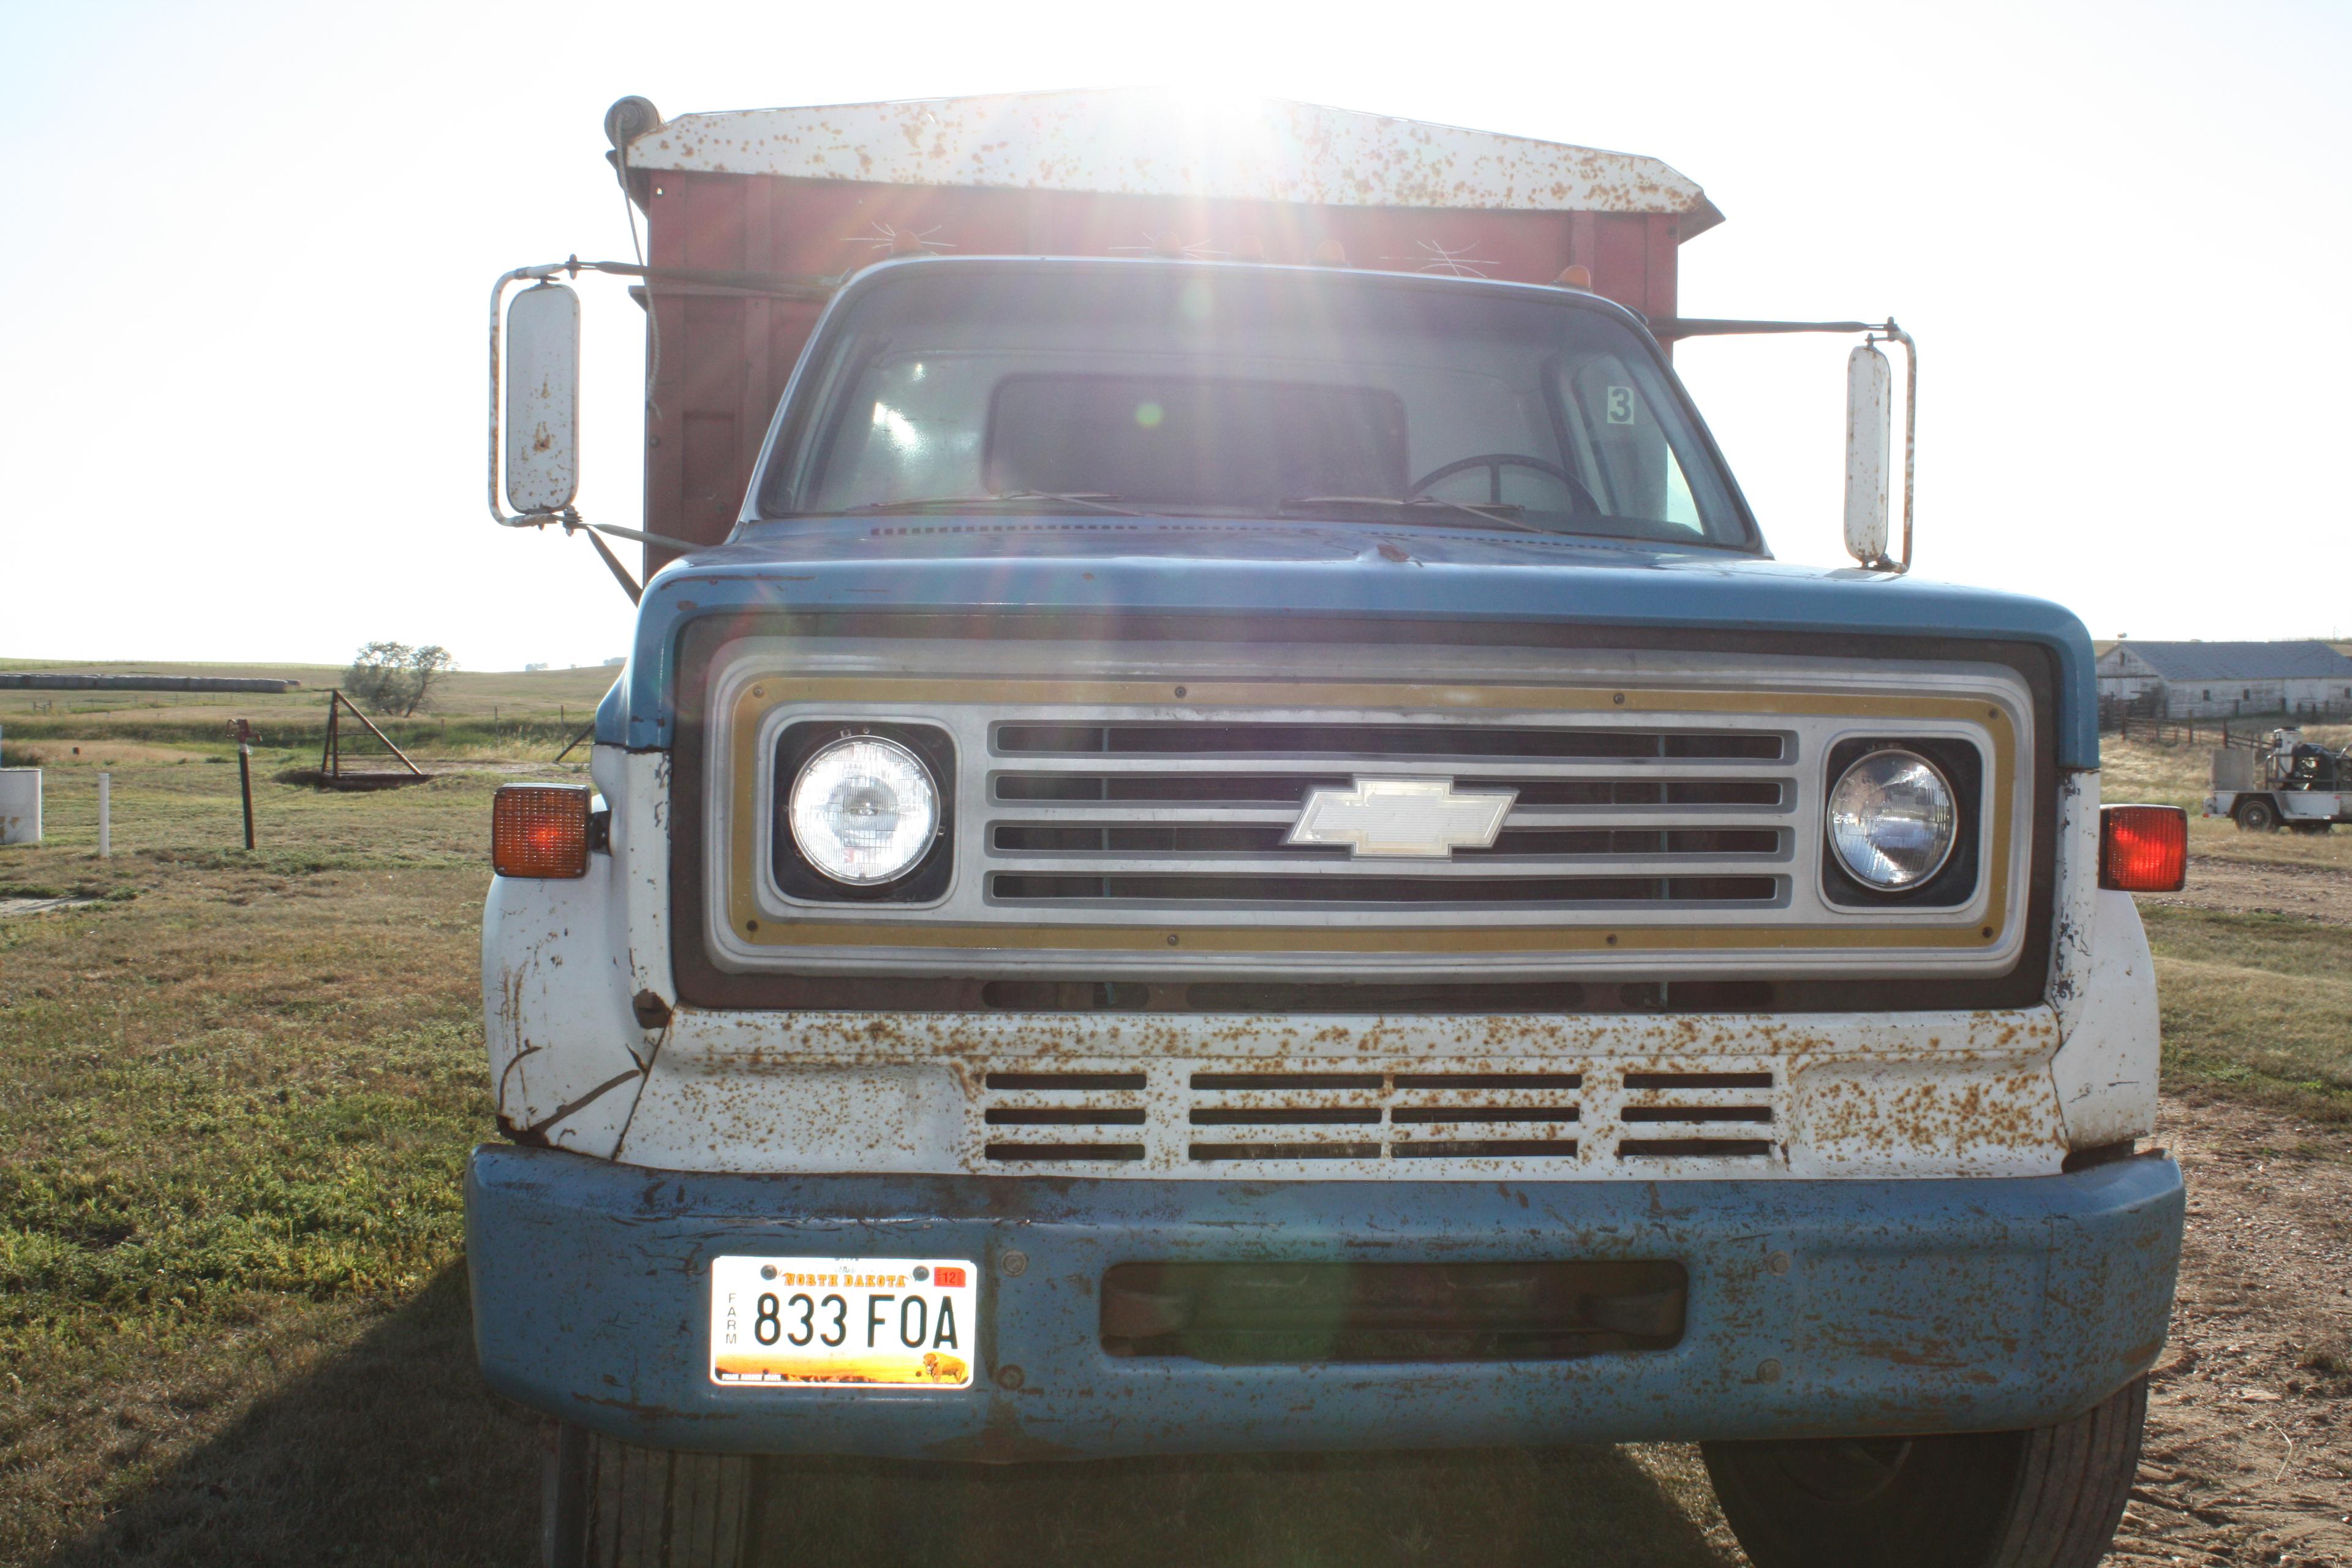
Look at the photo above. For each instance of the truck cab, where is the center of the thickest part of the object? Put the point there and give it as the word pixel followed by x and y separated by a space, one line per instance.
pixel 1236 846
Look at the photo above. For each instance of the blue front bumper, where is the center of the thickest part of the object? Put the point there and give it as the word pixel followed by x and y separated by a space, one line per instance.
pixel 1901 1305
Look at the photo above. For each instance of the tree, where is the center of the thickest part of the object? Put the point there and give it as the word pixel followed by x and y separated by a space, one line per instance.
pixel 393 677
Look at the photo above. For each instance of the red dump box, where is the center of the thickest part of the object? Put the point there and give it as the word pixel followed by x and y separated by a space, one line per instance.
pixel 822 192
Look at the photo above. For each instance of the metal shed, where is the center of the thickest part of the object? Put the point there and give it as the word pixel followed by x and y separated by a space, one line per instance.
pixel 823 191
pixel 2219 679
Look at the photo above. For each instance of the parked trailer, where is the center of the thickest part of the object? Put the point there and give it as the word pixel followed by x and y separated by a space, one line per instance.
pixel 1220 834
pixel 2291 783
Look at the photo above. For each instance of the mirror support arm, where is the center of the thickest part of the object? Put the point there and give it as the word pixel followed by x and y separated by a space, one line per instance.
pixel 1672 329
pixel 1893 333
pixel 568 519
pixel 620 572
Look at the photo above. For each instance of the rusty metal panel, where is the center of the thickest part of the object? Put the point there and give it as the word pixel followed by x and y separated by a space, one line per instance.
pixel 1196 1097
pixel 1660 295
pixel 1146 143
pixel 1621 259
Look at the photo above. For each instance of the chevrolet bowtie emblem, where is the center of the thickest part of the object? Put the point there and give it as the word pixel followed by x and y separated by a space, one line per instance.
pixel 1398 818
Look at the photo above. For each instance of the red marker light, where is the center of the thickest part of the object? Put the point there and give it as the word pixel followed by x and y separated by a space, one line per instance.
pixel 2143 848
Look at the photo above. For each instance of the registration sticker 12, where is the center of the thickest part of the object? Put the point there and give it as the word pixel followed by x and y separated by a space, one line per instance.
pixel 895 1321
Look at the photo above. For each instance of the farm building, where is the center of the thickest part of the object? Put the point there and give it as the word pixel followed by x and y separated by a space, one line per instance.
pixel 2217 680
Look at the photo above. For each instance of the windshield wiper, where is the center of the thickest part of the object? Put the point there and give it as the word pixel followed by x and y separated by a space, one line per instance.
pixel 1498 517
pixel 1091 501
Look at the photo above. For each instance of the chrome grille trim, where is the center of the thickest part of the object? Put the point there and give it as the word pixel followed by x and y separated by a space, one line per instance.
pixel 1775 889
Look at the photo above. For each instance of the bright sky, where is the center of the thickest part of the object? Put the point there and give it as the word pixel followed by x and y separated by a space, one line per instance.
pixel 249 248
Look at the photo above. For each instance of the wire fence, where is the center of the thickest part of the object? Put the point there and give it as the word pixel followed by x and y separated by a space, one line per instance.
pixel 2191 732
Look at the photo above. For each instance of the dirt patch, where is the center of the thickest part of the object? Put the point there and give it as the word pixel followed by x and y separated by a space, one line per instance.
pixel 2249 1450
pixel 2322 893
pixel 11 907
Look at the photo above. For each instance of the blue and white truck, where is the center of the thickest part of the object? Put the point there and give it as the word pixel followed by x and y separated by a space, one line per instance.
pixel 1221 834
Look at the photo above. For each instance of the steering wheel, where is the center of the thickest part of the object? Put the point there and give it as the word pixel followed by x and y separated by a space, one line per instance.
pixel 1494 463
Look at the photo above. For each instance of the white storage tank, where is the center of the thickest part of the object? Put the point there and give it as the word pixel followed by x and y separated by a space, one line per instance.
pixel 20 806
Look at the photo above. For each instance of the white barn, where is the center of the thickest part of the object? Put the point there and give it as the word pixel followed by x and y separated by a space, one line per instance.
pixel 2220 680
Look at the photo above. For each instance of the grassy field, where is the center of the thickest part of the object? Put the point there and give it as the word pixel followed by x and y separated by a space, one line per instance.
pixel 2258 1005
pixel 233 1314
pixel 231 1322
pixel 503 713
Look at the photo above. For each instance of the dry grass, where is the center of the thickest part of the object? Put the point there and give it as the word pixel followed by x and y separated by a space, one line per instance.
pixel 2257 1004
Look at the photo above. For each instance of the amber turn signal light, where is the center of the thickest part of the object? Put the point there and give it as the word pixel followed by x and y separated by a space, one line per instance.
pixel 540 830
pixel 2143 848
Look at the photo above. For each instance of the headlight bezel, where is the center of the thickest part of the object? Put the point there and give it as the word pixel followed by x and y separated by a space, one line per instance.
pixel 1955 881
pixel 927 880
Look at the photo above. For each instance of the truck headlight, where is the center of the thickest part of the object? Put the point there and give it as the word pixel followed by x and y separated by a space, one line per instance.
pixel 1893 820
pixel 864 810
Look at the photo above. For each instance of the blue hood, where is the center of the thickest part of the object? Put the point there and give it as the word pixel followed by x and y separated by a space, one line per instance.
pixel 1213 565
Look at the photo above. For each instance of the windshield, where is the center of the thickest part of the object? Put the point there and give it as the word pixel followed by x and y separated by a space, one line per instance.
pixel 1198 390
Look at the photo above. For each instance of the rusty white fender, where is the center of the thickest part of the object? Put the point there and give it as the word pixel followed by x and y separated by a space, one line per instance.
pixel 2103 985
pixel 564 964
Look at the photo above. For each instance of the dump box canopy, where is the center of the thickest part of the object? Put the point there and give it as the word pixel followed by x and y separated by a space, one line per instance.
pixel 1112 143
pixel 824 191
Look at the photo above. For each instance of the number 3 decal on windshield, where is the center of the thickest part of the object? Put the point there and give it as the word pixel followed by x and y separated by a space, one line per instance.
pixel 1620 405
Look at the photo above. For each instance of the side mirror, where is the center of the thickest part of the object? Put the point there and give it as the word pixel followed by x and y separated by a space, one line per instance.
pixel 542 413
pixel 1869 432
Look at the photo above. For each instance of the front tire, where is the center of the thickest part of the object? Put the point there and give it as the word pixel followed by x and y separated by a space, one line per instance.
pixel 2044 1499
pixel 609 1504
pixel 2257 815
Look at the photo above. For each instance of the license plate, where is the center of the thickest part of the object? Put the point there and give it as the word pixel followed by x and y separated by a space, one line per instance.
pixel 892 1321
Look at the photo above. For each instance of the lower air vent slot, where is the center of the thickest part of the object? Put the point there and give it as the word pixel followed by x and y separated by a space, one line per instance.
pixel 1063 1116
pixel 1696 1113
pixel 1094 1081
pixel 1286 1080
pixel 1064 1152
pixel 1407 1114
pixel 1698 1080
pixel 1490 1080
pixel 1239 1314
pixel 1693 1148
pixel 1277 1116
pixel 1285 1152
pixel 1487 1149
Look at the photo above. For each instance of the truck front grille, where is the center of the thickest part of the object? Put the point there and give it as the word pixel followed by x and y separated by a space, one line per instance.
pixel 1251 1119
pixel 1138 815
